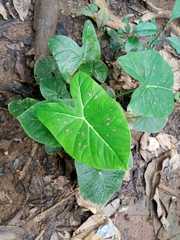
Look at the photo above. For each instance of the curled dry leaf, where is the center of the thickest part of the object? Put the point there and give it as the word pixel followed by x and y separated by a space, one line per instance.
pixel 86 205
pixel 3 12
pixel 157 13
pixel 153 174
pixel 22 7
pixel 88 228
pixel 175 65
pixel 166 141
pixel 160 211
pixel 10 10
pixel 115 22
pixel 172 217
pixel 153 144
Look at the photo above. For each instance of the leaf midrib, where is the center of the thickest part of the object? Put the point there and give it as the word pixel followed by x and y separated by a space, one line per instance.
pixel 84 119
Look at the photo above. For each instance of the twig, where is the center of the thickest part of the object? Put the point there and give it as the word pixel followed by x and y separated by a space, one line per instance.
pixel 27 164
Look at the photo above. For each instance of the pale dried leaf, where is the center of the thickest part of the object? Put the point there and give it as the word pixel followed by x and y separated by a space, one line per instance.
pixel 144 141
pixel 10 10
pixel 116 21
pixel 22 7
pixel 87 205
pixel 89 226
pixel 144 155
pixel 160 211
pixel 152 174
pixel 129 83
pixel 153 144
pixel 175 65
pixel 174 161
pixel 166 141
pixel 111 208
pixel 3 12
pixel 172 217
pixel 127 176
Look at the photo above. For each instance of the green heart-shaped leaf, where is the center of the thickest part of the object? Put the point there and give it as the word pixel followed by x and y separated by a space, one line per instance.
pixel 34 128
pixel 67 53
pixel 95 132
pixel 53 88
pixel 96 185
pixel 154 97
pixel 90 42
pixel 98 69
pixel 69 56
pixel 46 67
pixel 19 106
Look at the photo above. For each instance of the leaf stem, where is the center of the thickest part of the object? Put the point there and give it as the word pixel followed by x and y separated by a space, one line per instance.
pixel 124 93
pixel 160 31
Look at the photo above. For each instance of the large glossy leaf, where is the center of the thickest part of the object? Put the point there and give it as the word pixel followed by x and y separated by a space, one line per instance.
pixel 96 185
pixel 98 69
pixel 53 88
pixel 34 128
pixel 46 67
pixel 145 29
pixel 95 132
pixel 176 11
pixel 90 42
pixel 149 124
pixel 154 97
pixel 67 53
pixel 175 43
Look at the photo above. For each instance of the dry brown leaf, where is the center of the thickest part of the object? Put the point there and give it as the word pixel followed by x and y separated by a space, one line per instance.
pixel 153 175
pixel 87 205
pixel 111 208
pixel 153 145
pixel 174 230
pixel 157 13
pixel 22 7
pixel 89 227
pixel 160 211
pixel 10 10
pixel 175 65
pixel 116 21
pixel 144 141
pixel 3 12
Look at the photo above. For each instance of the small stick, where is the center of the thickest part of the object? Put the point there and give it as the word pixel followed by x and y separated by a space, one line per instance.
pixel 27 164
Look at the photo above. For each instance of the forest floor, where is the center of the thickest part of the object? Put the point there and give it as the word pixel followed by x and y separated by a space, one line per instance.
pixel 38 191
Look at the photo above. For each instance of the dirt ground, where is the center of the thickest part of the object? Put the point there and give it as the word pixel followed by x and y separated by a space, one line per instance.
pixel 37 190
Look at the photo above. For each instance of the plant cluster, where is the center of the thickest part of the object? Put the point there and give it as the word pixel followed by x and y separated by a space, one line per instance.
pixel 87 121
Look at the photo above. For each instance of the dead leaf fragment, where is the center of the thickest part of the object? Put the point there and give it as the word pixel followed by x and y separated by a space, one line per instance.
pixel 153 144
pixel 160 212
pixel 22 7
pixel 87 205
pixel 152 174
pixel 3 12
pixel 88 227
pixel 115 22
pixel 10 10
